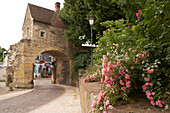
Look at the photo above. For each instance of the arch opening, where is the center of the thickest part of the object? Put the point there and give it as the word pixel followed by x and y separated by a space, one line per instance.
pixel 52 64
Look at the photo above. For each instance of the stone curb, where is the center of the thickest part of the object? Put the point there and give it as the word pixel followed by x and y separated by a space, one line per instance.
pixel 11 95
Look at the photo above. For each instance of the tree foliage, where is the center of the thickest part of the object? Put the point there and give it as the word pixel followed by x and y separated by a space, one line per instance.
pixel 1 53
pixel 76 13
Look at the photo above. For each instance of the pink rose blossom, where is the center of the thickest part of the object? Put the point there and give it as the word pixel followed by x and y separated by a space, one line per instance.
pixel 137 14
pixel 109 30
pixel 127 76
pixel 143 69
pixel 143 75
pixel 157 102
pixel 150 84
pixel 152 102
pixel 147 83
pixel 130 49
pixel 116 44
pixel 108 54
pixel 84 80
pixel 104 32
pixel 104 112
pixel 151 98
pixel 128 84
pixel 132 67
pixel 106 103
pixel 152 70
pixel 143 55
pixel 146 79
pixel 121 82
pixel 123 88
pixel 93 105
pixel 134 51
pixel 153 93
pixel 160 105
pixel 166 107
pixel 144 87
pixel 139 11
pixel 128 26
pixel 118 63
pixel 111 107
pixel 120 20
pixel 126 56
pixel 96 51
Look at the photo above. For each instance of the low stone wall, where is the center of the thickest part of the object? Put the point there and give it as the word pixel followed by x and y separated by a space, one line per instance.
pixel 88 91
pixel 2 74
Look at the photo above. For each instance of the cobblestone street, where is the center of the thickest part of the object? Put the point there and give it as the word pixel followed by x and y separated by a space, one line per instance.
pixel 45 98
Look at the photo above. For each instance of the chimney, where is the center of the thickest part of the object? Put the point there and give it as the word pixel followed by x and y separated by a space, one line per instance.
pixel 57 6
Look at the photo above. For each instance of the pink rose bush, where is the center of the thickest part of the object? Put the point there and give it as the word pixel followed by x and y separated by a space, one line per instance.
pixel 123 72
pixel 118 80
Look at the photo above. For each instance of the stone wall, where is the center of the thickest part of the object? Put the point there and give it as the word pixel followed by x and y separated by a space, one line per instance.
pixel 88 92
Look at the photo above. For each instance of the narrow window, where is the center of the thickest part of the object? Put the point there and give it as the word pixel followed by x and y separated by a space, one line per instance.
pixel 28 32
pixel 42 34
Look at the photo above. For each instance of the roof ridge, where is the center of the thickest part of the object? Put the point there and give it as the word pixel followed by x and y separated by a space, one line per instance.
pixel 40 7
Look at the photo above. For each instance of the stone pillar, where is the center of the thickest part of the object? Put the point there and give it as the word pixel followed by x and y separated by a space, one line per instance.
pixel 23 76
pixel 54 75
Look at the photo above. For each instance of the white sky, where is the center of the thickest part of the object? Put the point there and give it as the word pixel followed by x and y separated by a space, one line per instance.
pixel 12 17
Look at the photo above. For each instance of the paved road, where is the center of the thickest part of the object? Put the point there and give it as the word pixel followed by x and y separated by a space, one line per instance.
pixel 46 97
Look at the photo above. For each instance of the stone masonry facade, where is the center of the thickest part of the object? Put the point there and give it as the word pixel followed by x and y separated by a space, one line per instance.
pixel 39 36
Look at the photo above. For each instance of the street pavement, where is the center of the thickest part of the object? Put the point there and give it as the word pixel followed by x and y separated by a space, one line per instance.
pixel 44 98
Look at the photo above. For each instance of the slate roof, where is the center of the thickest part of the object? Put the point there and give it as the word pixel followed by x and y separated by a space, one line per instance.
pixel 41 14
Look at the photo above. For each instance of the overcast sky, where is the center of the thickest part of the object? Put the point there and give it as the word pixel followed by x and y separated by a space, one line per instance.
pixel 12 17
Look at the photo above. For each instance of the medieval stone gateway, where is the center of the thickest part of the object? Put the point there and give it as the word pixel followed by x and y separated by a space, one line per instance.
pixel 42 33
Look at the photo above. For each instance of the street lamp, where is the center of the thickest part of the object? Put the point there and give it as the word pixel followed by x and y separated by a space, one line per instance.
pixel 91 22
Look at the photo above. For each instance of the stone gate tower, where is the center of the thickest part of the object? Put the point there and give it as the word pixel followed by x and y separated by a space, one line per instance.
pixel 42 33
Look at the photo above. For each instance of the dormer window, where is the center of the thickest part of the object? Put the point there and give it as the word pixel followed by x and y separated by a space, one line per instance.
pixel 42 34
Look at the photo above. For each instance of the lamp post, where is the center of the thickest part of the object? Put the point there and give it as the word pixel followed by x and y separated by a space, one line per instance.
pixel 91 22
